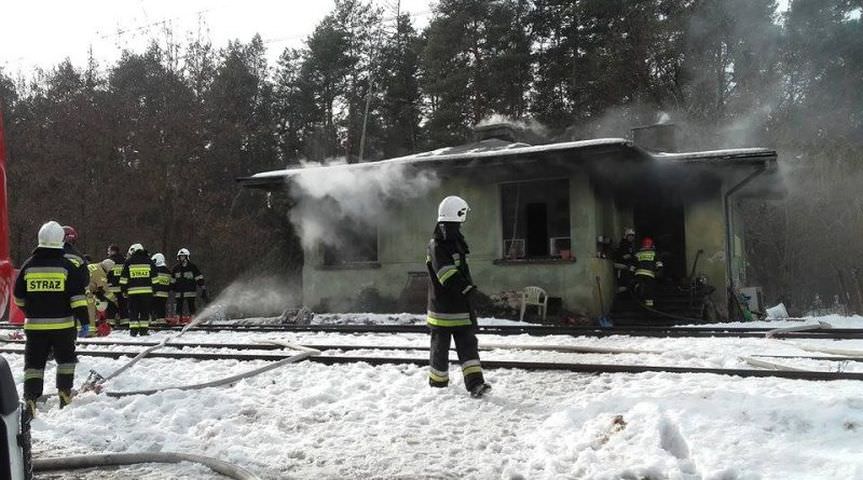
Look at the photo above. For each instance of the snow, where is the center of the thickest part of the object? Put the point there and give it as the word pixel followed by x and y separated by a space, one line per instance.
pixel 308 420
pixel 443 155
pixel 836 321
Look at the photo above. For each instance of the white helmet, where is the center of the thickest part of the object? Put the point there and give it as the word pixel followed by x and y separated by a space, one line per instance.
pixel 184 251
pixel 107 265
pixel 158 259
pixel 51 235
pixel 629 231
pixel 136 247
pixel 452 209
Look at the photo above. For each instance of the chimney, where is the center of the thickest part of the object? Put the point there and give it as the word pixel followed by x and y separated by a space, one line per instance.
pixel 660 137
pixel 499 131
pixel 508 132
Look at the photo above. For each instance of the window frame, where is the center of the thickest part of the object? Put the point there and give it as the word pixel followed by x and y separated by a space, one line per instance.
pixel 501 254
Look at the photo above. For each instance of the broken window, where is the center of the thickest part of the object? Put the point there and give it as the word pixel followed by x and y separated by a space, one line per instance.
pixel 536 219
pixel 353 243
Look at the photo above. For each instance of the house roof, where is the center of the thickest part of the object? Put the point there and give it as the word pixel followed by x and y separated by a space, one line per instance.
pixel 496 149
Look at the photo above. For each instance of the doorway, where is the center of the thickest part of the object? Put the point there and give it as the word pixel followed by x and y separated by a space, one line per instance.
pixel 660 215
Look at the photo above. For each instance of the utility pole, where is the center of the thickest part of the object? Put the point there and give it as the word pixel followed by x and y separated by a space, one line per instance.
pixel 372 89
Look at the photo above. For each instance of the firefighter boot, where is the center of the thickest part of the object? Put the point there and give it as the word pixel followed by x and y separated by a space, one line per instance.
pixel 65 397
pixel 31 407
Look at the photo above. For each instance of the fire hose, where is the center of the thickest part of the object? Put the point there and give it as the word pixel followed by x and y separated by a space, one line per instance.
pixel 95 380
pixel 121 459
pixel 307 352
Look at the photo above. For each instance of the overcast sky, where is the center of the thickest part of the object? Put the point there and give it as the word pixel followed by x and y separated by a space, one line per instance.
pixel 43 33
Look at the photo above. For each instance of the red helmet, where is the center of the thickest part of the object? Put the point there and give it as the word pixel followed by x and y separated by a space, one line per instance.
pixel 71 234
pixel 646 242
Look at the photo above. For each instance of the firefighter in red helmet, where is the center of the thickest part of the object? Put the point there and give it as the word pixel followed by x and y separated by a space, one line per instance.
pixel 647 266
pixel 70 238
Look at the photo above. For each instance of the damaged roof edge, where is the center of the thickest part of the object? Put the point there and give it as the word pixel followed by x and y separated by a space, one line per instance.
pixel 436 156
pixel 725 158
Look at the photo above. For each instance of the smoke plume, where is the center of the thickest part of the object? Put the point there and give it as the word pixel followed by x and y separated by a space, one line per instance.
pixel 360 193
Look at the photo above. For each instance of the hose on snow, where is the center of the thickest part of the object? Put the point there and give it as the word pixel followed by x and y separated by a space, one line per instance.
pixel 223 381
pixel 122 459
pixel 96 383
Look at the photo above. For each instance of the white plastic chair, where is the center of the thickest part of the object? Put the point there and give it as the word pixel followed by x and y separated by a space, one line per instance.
pixel 534 296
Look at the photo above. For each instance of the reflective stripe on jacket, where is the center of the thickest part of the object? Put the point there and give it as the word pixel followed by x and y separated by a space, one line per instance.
pixel 138 275
pixel 186 278
pixel 449 282
pixel 647 263
pixel 50 290
pixel 162 282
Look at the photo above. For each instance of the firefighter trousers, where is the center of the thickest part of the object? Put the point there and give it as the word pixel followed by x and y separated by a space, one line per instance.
pixel 157 315
pixel 646 289
pixel 467 348
pixel 39 345
pixel 139 313
pixel 178 304
pixel 118 314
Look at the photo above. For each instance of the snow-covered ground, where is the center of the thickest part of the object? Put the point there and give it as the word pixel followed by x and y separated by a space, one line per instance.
pixel 836 321
pixel 308 420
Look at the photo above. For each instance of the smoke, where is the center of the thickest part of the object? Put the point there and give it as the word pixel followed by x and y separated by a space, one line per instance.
pixel 362 194
pixel 262 296
pixel 528 124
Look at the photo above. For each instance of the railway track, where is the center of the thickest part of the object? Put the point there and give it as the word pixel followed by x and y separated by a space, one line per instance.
pixel 273 346
pixel 732 332
pixel 488 364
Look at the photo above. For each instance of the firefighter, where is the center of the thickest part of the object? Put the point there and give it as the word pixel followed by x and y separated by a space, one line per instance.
pixel 118 314
pixel 624 261
pixel 184 282
pixel 136 282
pixel 450 314
pixel 70 238
pixel 161 289
pixel 99 290
pixel 647 267
pixel 50 291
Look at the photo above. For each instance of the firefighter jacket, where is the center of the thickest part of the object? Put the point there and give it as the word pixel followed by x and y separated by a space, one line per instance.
pixel 114 274
pixel 139 275
pixel 162 283
pixel 71 254
pixel 186 279
pixel 624 257
pixel 647 263
pixel 50 290
pixel 99 283
pixel 450 282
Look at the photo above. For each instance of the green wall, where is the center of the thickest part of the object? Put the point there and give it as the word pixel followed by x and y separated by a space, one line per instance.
pixel 705 230
pixel 403 239
pixel 404 236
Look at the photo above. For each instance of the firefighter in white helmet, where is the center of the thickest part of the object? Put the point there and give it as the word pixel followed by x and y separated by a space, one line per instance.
pixel 136 283
pixel 161 290
pixel 50 291
pixel 450 313
pixel 185 280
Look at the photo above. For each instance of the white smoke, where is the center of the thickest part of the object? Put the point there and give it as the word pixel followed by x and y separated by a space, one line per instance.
pixel 528 124
pixel 252 297
pixel 361 193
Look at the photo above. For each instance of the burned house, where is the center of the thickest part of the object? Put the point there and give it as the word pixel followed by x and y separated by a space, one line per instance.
pixel 543 215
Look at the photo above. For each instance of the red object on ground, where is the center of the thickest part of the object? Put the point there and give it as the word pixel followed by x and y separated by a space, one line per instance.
pixel 103 329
